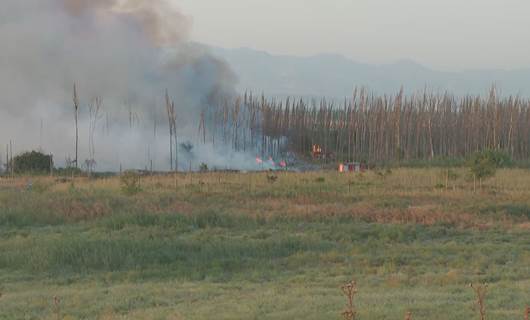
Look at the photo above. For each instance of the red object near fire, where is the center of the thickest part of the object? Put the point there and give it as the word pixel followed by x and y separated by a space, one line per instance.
pixel 317 151
pixel 351 167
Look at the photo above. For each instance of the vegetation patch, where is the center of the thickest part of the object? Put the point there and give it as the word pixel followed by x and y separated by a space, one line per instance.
pixel 233 245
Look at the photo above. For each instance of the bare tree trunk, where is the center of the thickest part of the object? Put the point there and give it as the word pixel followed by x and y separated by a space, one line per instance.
pixel 171 116
pixel 76 115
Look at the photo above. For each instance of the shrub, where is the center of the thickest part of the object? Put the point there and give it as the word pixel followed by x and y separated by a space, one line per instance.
pixel 130 182
pixel 203 167
pixel 501 159
pixel 32 162
pixel 484 164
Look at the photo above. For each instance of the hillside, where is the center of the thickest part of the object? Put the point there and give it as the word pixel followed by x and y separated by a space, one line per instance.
pixel 333 75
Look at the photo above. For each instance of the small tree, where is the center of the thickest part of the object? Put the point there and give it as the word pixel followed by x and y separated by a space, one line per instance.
pixel 482 168
pixel 32 162
pixel 485 164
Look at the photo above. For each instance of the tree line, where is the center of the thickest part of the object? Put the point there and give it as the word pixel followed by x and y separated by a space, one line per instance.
pixel 374 128
pixel 366 127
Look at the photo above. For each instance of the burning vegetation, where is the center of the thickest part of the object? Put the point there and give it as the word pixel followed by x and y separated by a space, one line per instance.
pixel 150 90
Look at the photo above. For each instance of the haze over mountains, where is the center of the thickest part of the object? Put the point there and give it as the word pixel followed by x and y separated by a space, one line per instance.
pixel 335 76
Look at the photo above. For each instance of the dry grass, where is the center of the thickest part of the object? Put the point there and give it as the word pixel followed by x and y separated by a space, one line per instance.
pixel 319 215
pixel 407 196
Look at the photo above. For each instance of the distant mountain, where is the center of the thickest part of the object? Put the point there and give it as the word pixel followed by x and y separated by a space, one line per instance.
pixel 335 76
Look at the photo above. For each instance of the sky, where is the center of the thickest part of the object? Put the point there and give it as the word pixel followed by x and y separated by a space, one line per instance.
pixel 448 35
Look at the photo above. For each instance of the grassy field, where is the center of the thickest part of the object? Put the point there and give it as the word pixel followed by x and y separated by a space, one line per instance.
pixel 238 246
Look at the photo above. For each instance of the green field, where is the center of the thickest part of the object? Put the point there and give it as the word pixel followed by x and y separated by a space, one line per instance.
pixel 237 246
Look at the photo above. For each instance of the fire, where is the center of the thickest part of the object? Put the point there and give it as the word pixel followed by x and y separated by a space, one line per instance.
pixel 271 163
pixel 317 151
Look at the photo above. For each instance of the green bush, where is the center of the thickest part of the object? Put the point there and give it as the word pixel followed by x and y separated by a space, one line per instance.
pixel 32 162
pixel 484 164
pixel 501 159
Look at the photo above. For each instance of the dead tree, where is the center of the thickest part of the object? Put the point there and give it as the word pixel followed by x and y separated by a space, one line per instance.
pixel 94 116
pixel 76 116
pixel 173 139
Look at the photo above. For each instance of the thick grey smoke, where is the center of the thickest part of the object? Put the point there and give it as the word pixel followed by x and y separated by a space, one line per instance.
pixel 126 52
pixel 157 19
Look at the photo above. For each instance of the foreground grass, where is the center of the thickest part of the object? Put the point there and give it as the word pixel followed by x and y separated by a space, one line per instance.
pixel 233 246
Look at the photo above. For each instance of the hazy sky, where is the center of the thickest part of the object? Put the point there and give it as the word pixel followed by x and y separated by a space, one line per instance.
pixel 443 34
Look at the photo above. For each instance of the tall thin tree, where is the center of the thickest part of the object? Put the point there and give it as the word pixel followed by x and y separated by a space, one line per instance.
pixel 172 119
pixel 76 116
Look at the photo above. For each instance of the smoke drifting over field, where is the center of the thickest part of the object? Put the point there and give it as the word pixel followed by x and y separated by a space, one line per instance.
pixel 126 52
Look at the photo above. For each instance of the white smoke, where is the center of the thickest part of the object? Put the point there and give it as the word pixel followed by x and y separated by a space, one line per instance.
pixel 128 53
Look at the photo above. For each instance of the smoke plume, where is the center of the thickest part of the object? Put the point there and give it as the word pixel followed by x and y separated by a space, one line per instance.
pixel 157 19
pixel 127 53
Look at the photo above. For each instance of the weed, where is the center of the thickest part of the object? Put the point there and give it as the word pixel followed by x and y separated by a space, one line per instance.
pixel 349 290
pixel 272 178
pixel 57 307
pixel 480 291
